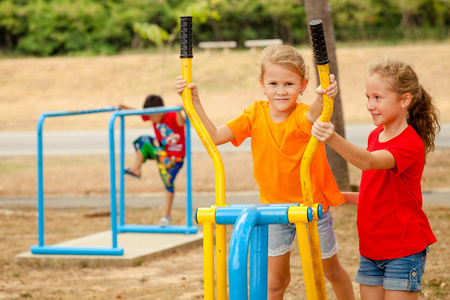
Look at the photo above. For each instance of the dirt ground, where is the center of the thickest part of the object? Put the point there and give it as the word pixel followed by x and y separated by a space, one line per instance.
pixel 178 275
pixel 228 83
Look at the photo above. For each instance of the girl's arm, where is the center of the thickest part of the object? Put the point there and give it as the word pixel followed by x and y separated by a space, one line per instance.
pixel 219 135
pixel 351 197
pixel 357 156
pixel 315 109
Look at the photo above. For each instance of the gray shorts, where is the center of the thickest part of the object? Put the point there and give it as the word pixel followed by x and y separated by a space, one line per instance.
pixel 281 237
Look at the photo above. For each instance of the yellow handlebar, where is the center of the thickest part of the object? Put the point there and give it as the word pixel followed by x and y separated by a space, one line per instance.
pixel 186 67
pixel 203 134
pixel 305 174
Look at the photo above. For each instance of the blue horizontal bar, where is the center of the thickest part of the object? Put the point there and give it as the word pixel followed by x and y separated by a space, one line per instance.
pixel 269 213
pixel 157 229
pixel 77 112
pixel 147 111
pixel 76 250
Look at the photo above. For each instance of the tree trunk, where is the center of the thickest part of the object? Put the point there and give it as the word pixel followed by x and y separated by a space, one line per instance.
pixel 216 29
pixel 321 9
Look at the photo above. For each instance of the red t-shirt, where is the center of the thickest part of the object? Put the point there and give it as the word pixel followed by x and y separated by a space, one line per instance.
pixel 170 134
pixel 391 222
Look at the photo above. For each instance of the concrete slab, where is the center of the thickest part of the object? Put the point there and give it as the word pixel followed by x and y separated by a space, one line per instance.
pixel 138 247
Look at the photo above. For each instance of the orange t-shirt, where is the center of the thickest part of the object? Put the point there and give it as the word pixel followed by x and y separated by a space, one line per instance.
pixel 277 151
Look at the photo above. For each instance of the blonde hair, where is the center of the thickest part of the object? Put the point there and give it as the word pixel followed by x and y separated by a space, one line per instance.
pixel 422 113
pixel 285 56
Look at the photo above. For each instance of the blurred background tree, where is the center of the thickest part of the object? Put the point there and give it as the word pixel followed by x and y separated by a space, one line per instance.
pixel 91 27
pixel 200 11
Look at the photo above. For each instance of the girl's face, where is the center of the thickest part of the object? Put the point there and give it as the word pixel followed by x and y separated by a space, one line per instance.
pixel 282 87
pixel 383 104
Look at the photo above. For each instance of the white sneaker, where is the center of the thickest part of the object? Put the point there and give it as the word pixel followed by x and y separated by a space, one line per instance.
pixel 165 221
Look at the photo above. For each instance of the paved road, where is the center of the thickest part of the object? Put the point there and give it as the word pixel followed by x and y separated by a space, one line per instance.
pixel 97 141
pixel 438 197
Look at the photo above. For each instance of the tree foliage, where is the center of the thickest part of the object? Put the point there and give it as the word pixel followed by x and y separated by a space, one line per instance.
pixel 80 27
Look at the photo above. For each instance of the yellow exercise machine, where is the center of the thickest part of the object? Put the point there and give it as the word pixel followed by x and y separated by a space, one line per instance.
pixel 186 55
pixel 310 252
pixel 321 57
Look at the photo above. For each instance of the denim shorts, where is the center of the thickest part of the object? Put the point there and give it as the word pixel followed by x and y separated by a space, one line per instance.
pixel 399 274
pixel 281 237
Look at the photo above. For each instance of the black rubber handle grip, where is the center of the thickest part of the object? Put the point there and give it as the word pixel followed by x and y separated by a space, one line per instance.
pixel 186 37
pixel 318 41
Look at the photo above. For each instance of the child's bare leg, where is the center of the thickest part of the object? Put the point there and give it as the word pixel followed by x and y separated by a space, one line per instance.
pixel 400 295
pixel 279 275
pixel 369 292
pixel 168 207
pixel 338 277
pixel 379 293
pixel 165 218
pixel 138 161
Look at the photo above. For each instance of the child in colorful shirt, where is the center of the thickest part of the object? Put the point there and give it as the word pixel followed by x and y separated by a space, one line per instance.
pixel 167 148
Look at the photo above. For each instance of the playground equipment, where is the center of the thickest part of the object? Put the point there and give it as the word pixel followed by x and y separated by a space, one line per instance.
pixel 321 57
pixel 122 227
pixel 186 56
pixel 251 231
pixel 251 222
pixel 41 248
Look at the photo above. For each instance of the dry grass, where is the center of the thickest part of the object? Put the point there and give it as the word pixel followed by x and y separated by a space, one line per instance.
pixel 228 83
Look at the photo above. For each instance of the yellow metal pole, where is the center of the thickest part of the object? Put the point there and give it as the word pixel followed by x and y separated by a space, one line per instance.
pixel 221 254
pixel 319 45
pixel 203 134
pixel 305 256
pixel 208 260
pixel 186 56
pixel 297 215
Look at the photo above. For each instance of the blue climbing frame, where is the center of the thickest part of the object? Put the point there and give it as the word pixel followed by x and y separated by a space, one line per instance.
pixel 41 248
pixel 122 227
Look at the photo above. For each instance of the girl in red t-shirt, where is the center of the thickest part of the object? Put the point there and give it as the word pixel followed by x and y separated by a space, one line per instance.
pixel 393 230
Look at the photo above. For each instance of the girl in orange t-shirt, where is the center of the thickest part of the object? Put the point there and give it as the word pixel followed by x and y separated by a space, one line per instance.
pixel 280 128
